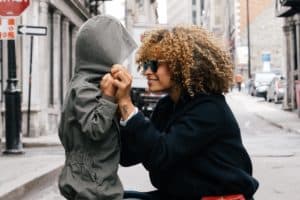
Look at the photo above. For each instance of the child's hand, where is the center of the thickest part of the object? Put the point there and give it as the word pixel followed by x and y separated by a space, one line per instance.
pixel 107 85
pixel 123 81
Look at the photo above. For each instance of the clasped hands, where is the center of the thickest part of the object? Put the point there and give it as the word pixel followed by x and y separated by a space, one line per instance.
pixel 117 84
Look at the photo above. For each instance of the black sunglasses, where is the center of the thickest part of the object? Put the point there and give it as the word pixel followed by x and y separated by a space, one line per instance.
pixel 153 64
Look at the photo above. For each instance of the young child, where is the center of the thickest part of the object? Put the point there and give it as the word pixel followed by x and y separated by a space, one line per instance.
pixel 88 128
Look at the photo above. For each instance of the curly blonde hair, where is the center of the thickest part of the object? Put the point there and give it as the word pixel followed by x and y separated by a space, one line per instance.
pixel 196 59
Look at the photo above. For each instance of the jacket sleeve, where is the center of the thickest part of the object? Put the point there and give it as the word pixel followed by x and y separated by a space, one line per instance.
pixel 189 134
pixel 93 112
pixel 130 154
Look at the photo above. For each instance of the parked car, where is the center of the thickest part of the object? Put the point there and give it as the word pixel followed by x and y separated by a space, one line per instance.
pixel 276 89
pixel 145 100
pixel 150 101
pixel 261 84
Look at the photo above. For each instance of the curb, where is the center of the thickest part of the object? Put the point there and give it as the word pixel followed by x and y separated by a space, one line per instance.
pixel 33 185
pixel 32 145
pixel 288 129
pixel 41 144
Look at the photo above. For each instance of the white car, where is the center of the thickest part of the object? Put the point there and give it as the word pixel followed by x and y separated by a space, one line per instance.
pixel 262 81
pixel 276 89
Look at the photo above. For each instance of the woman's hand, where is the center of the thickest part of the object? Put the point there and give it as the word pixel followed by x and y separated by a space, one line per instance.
pixel 123 80
pixel 107 85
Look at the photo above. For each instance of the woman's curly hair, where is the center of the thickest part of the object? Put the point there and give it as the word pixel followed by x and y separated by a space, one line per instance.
pixel 196 59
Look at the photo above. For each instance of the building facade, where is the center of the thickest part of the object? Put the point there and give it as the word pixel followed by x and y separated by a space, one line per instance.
pixel 217 16
pixel 289 11
pixel 179 12
pixel 140 15
pixel 53 59
pixel 140 12
pixel 265 36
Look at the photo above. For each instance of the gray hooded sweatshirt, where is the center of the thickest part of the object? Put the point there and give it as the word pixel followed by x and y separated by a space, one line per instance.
pixel 88 128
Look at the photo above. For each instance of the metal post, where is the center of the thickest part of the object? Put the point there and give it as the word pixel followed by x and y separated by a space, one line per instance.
pixel 12 106
pixel 248 39
pixel 29 87
pixel 97 8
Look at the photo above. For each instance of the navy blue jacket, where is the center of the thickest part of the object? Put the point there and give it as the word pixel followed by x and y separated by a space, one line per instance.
pixel 191 149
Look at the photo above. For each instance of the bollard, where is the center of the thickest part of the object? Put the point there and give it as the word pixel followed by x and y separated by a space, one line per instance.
pixel 12 106
pixel 13 120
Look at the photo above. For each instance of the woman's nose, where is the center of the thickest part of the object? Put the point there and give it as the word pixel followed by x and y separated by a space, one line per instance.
pixel 147 71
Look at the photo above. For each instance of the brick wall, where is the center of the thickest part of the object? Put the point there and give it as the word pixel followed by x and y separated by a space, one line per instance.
pixel 266 35
pixel 256 7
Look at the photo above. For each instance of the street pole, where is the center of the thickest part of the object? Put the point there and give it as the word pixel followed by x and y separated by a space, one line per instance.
pixel 29 87
pixel 12 106
pixel 97 7
pixel 248 41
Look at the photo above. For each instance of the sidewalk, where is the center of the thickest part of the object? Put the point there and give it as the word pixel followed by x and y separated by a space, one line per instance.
pixel 44 155
pixel 43 141
pixel 270 112
pixel 38 166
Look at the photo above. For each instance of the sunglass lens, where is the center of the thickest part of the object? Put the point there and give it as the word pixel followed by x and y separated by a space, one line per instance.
pixel 152 64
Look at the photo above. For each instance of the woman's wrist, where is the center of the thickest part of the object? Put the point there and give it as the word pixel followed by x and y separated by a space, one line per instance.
pixel 126 108
pixel 124 122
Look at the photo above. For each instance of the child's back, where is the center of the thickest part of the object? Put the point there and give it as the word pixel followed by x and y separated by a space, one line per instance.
pixel 88 128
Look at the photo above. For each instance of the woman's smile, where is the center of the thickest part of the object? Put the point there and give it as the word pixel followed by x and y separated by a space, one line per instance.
pixel 152 80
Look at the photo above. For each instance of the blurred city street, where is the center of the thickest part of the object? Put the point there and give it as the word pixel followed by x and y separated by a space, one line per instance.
pixel 38 60
pixel 274 149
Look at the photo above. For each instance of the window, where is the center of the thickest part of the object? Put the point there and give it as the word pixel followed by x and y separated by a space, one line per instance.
pixel 140 6
pixel 202 11
pixel 194 17
pixel 194 2
pixel 140 3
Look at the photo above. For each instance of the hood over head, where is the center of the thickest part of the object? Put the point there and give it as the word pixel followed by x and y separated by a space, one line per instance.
pixel 101 42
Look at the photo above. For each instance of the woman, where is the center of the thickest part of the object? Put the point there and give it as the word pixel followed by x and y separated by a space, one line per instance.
pixel 192 145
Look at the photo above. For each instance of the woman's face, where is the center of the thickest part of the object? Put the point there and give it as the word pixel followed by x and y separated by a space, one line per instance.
pixel 159 81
